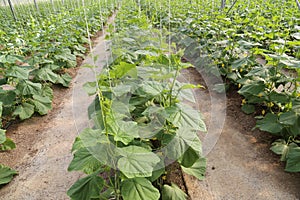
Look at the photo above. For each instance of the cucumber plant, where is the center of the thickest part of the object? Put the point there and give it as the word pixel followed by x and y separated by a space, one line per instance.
pixel 142 119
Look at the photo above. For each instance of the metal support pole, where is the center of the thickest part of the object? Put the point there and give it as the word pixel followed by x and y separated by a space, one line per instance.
pixel 298 4
pixel 231 6
pixel 36 6
pixel 12 10
pixel 223 4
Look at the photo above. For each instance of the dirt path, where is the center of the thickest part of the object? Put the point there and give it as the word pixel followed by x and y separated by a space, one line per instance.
pixel 44 144
pixel 240 165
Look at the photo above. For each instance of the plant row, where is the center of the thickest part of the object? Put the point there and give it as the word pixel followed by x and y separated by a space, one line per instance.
pixel 142 121
pixel 254 46
pixel 35 51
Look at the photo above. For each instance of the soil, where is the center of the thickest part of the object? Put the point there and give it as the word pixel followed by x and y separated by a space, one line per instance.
pixel 240 164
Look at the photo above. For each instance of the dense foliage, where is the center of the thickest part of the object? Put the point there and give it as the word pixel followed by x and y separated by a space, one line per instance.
pixel 255 46
pixel 35 51
pixel 142 121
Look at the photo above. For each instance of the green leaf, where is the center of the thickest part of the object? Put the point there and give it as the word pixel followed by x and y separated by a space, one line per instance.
pixel 46 74
pixel 7 145
pixel 293 160
pixel 253 89
pixel 123 131
pixel 98 145
pixel 107 194
pixel 47 91
pixel 151 88
pixel 17 72
pixel 86 188
pixel 248 108
pixel 28 88
pixel 278 97
pixel 137 161
pixel 6 174
pixel 64 79
pixel 280 147
pixel 269 123
pixel 24 111
pixel 123 69
pixel 189 157
pixel 7 97
pixel 1 109
pixel 67 57
pixel 83 160
pixel 173 192
pixel 197 170
pixel 183 139
pixel 2 136
pixel 11 59
pixel 139 189
pixel 91 137
pixel 288 118
pixel 42 104
pixel 184 116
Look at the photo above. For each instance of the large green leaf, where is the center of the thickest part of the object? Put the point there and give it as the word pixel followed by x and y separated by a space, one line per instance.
pixel 64 79
pixel 42 104
pixel 269 123
pixel 123 131
pixel 150 88
pixel 123 69
pixel 248 108
pixel 7 97
pixel 293 160
pixel 288 118
pixel 91 137
pixel 17 72
pixel 11 59
pixel 98 144
pixel 24 111
pixel 253 89
pixel 7 145
pixel 189 157
pixel 6 174
pixel 280 147
pixel 86 188
pixel 184 116
pixel 66 57
pixel 197 170
pixel 46 74
pixel 85 161
pixel 137 161
pixel 139 189
pixel 173 192
pixel 184 139
pixel 28 88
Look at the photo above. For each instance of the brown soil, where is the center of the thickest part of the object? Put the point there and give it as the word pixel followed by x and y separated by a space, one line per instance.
pixel 240 165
